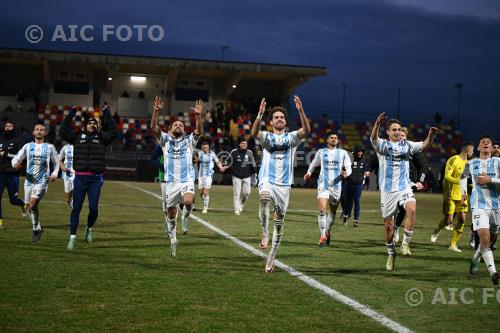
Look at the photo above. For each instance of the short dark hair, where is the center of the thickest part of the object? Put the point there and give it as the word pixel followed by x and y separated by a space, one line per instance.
pixel 392 121
pixel 205 142
pixel 278 109
pixel 242 139
pixel 466 144
pixel 485 136
pixel 38 122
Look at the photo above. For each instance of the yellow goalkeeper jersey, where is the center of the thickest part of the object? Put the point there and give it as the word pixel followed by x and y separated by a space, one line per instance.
pixel 451 181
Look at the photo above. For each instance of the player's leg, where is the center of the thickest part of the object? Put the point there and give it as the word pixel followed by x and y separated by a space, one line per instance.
pixel 187 195
pixel 13 190
pixel 237 183
pixel 356 198
pixel 388 207
pixel 79 193
pixel 246 188
pixel 458 229
pixel 322 202
pixel 37 194
pixel 94 193
pixel 281 197
pixel 347 199
pixel 265 201
pixel 410 206
pixel 205 193
pixel 398 221
pixel 68 191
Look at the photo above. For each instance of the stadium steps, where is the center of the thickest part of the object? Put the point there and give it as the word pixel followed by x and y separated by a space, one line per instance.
pixel 351 136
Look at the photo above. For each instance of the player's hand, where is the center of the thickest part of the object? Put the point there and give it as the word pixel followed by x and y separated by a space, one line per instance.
pixel 367 173
pixel 307 176
pixel 298 103
pixel 419 186
pixel 52 178
pixel 198 107
pixel 464 199
pixel 64 169
pixel 2 152
pixel 380 119
pixel 157 104
pixel 483 179
pixel 433 130
pixel 18 166
pixel 344 174
pixel 262 107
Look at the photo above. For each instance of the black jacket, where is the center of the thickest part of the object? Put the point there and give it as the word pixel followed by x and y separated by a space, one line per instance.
pixel 243 163
pixel 90 148
pixel 359 167
pixel 10 144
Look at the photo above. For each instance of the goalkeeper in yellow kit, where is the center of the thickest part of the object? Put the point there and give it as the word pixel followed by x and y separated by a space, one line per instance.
pixel 452 196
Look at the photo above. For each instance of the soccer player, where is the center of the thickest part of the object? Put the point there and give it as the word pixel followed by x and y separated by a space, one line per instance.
pixel 452 196
pixel 353 186
pixel 178 164
pixel 276 172
pixel 394 180
pixel 38 155
pixel 484 201
pixel 68 173
pixel 243 168
pixel 206 160
pixel 10 143
pixel 496 149
pixel 335 165
pixel 417 177
pixel 89 163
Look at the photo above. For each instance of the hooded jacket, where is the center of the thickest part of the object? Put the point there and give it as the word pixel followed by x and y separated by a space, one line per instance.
pixel 89 154
pixel 10 144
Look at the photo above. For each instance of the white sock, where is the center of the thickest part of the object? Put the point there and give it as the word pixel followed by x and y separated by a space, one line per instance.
pixel 390 248
pixel 170 228
pixel 278 231
pixel 72 236
pixel 330 220
pixel 35 220
pixel 206 199
pixel 264 217
pixel 489 260
pixel 407 236
pixel 186 211
pixel 322 224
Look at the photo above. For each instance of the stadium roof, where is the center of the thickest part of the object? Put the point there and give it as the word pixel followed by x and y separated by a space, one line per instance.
pixel 291 75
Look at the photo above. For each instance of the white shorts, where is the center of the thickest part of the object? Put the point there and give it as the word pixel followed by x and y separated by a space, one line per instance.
pixel 68 184
pixel 280 195
pixel 174 192
pixel 204 182
pixel 332 194
pixel 486 219
pixel 389 201
pixel 34 191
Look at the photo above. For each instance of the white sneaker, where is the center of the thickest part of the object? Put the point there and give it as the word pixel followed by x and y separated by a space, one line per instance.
pixel 390 263
pixel 454 248
pixel 434 237
pixel 396 235
pixel 269 265
pixel 405 249
pixel 173 247
pixel 237 212
pixel 449 227
pixel 204 211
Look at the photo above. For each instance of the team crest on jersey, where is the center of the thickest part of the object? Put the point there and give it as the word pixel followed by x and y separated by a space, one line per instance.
pixel 84 136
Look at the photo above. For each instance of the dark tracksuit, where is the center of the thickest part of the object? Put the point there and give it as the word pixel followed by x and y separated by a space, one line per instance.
pixel 10 144
pixel 89 164
pixel 354 187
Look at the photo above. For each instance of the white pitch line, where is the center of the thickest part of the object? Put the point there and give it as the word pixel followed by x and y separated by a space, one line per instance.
pixel 364 309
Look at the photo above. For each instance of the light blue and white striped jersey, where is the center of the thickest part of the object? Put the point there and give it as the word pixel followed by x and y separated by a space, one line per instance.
pixel 277 157
pixel 66 156
pixel 393 162
pixel 331 161
pixel 206 162
pixel 178 162
pixel 483 196
pixel 38 157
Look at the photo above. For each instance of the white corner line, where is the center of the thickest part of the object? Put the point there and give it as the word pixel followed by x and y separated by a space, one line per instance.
pixel 336 295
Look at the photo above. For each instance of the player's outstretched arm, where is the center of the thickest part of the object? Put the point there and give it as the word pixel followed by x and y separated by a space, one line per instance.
pixel 315 163
pixel 376 127
pixel 55 164
pixel 430 137
pixel 306 127
pixel 157 106
pixel 256 124
pixel 198 111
